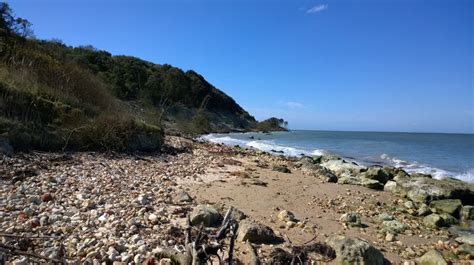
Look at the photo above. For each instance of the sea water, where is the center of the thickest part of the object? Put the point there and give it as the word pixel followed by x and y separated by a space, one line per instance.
pixel 441 155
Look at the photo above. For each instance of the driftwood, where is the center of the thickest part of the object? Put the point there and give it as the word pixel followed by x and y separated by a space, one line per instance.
pixel 200 249
pixel 253 254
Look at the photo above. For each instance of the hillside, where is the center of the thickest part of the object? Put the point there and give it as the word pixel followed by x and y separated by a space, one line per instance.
pixel 54 96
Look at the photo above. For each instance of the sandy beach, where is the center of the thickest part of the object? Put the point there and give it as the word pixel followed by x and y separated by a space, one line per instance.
pixel 128 208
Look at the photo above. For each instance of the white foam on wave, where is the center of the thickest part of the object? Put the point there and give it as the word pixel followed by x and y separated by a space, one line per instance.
pixel 416 167
pixel 262 145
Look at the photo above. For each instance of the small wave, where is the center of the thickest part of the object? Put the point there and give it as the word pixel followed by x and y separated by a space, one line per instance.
pixel 262 145
pixel 415 167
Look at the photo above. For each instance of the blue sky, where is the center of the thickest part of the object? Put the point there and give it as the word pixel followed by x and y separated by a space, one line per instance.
pixel 331 65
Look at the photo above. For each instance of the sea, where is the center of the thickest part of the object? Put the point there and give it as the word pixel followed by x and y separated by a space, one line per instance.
pixel 438 154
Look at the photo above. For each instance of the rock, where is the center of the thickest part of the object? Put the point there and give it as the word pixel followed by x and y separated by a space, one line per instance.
pixel 318 171
pixel 466 250
pixel 448 219
pixel 432 257
pixel 355 251
pixel 153 218
pixel 206 215
pixel 325 158
pixel 433 220
pixel 423 210
pixel 34 222
pixel 46 197
pixel 467 213
pixel 389 237
pixel 394 226
pixel 183 197
pixel 44 220
pixel 384 217
pixel 339 167
pixel 376 173
pixel 282 169
pixel 257 233
pixel 466 239
pixel 393 187
pixel 409 205
pixel 20 261
pixel 143 200
pixel 425 190
pixel 113 254
pixel 351 219
pixel 286 216
pixel 165 262
pixel 238 215
pixel 34 200
pixel 371 184
pixel 394 172
pixel 449 206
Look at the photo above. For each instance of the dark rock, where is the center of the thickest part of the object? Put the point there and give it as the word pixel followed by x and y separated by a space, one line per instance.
pixel 282 169
pixel 183 197
pixel 257 233
pixel 376 173
pixel 46 197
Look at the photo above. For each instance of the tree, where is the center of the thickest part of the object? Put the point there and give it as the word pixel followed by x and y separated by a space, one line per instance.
pixel 12 24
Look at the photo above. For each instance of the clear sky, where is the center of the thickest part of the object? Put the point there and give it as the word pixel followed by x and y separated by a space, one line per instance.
pixel 378 65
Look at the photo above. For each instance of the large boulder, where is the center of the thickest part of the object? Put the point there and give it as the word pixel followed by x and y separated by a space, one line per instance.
pixel 377 173
pixel 433 221
pixel 347 178
pixel 466 239
pixel 206 215
pixel 449 206
pixel 395 172
pixel 432 257
pixel 340 167
pixel 257 233
pixel 425 190
pixel 355 251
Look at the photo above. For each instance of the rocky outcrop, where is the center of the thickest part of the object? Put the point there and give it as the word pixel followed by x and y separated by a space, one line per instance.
pixel 425 190
pixel 355 251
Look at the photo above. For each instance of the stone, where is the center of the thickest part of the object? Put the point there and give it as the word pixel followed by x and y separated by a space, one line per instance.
pixel 318 171
pixel 384 217
pixel 20 261
pixel 466 239
pixel 183 197
pixel 409 205
pixel 371 184
pixel 433 221
pixel 286 216
pixel 257 233
pixel 394 226
pixel 432 257
pixel 467 213
pixel 423 210
pixel 34 222
pixel 340 167
pixel 424 190
pixel 44 220
pixel 389 237
pixel 205 214
pixel 376 173
pixel 466 250
pixel 449 206
pixel 354 250
pixel 34 199
pixel 393 187
pixel 282 169
pixel 143 200
pixel 153 218
pixel 449 219
pixel 351 219
pixel 46 197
